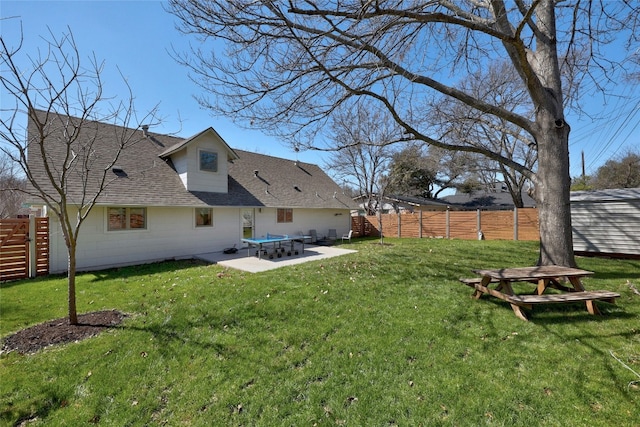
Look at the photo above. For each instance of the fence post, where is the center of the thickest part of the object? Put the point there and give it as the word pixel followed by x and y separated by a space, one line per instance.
pixel 420 223
pixel 448 225
pixel 33 262
pixel 515 223
pixel 399 225
pixel 479 224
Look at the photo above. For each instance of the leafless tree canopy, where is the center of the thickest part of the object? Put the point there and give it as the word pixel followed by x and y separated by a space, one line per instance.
pixel 12 187
pixel 459 123
pixel 363 139
pixel 64 157
pixel 286 66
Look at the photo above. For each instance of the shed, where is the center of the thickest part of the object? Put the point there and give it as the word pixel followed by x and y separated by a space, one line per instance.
pixel 606 222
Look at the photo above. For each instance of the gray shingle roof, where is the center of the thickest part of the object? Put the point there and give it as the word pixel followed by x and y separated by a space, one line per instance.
pixel 144 178
pixel 285 183
pixel 487 200
pixel 410 202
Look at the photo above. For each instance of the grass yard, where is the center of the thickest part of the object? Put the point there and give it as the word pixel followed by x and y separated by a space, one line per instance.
pixel 383 337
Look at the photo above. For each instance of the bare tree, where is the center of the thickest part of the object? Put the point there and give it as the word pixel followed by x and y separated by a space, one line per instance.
pixel 457 122
pixel 11 188
pixel 288 65
pixel 66 158
pixel 362 140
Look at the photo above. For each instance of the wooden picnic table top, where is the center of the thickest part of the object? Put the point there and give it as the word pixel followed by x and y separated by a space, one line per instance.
pixel 528 273
pixel 545 277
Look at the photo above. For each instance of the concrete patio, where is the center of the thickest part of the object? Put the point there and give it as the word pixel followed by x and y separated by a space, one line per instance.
pixel 250 263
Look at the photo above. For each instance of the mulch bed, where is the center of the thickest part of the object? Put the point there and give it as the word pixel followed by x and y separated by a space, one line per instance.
pixel 59 331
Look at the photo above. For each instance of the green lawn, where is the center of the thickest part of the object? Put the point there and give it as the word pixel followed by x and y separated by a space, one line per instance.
pixel 386 336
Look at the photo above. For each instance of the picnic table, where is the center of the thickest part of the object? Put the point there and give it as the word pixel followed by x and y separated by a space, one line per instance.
pixel 544 278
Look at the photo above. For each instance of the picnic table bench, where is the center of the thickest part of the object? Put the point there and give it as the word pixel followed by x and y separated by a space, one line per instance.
pixel 544 277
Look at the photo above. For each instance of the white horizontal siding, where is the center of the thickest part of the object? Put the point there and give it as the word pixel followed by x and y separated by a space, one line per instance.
pixel 215 182
pixel 609 227
pixel 304 220
pixel 171 233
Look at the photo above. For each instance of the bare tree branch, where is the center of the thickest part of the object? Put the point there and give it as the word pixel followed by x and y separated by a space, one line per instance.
pixel 288 67
pixel 65 154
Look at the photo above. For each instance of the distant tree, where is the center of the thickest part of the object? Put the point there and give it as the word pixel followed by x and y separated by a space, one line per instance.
pixel 470 185
pixel 362 138
pixel 453 167
pixel 426 171
pixel 621 173
pixel 12 187
pixel 581 183
pixel 411 174
pixel 62 98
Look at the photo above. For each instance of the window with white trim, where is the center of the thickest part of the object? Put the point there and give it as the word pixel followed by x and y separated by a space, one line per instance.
pixel 204 217
pixel 119 218
pixel 285 215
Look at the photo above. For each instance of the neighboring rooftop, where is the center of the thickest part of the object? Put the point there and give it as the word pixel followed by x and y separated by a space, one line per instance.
pixel 487 200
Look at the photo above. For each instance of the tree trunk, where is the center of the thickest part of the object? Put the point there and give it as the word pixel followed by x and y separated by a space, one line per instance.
pixel 379 214
pixel 71 275
pixel 552 179
pixel 552 195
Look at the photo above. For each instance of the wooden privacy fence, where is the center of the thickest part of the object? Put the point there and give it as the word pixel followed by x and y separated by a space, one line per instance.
pixel 518 224
pixel 24 248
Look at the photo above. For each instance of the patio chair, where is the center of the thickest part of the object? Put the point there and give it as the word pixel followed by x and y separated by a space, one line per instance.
pixel 347 236
pixel 332 234
pixel 314 236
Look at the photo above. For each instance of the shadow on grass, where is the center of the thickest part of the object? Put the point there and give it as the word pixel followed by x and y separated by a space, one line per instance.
pixel 116 273
pixel 617 275
pixel 51 401
pixel 40 279
pixel 590 341
pixel 145 269
pixel 562 313
pixel 171 338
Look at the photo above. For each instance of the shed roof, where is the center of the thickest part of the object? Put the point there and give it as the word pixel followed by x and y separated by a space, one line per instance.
pixel 611 195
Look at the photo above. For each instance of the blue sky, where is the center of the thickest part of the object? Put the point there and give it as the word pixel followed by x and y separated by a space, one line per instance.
pixel 136 36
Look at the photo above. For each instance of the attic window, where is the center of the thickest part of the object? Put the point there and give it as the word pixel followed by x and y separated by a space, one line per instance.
pixel 208 161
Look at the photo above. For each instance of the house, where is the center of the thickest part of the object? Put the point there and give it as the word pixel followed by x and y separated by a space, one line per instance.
pixel 169 197
pixel 606 222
